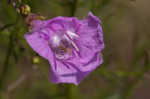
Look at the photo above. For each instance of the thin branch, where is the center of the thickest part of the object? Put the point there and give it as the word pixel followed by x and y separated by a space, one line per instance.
pixel 6 27
pixel 21 79
pixel 17 83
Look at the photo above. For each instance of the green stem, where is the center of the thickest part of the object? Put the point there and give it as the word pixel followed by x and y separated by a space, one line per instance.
pixel 73 5
pixel 93 7
pixel 68 92
pixel 6 63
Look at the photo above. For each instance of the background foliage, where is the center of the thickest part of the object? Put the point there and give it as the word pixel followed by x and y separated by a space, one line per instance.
pixel 124 74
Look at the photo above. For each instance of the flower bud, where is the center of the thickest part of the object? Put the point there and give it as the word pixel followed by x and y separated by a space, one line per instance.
pixel 36 60
pixel 25 10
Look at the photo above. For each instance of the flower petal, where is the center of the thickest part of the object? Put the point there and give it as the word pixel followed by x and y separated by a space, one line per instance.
pixel 91 37
pixel 38 44
pixel 37 25
pixel 68 23
pixel 67 73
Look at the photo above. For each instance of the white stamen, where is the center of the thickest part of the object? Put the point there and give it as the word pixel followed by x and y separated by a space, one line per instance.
pixel 75 46
pixel 66 38
pixel 72 34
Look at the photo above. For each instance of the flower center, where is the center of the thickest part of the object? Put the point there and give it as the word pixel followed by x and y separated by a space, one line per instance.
pixel 63 45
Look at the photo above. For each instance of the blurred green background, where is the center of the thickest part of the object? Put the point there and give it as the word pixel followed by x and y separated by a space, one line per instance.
pixel 124 74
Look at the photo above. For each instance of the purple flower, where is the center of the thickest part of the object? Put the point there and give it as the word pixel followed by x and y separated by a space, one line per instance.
pixel 72 47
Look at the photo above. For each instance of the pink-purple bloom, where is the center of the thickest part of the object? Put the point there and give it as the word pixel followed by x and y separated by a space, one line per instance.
pixel 72 47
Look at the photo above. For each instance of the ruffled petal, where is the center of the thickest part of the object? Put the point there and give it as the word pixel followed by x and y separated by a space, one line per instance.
pixel 91 38
pixel 90 44
pixel 67 72
pixel 38 44
pixel 68 23
pixel 37 25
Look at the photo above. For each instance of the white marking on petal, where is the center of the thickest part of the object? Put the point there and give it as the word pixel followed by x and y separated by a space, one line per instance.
pixel 72 34
pixel 56 40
